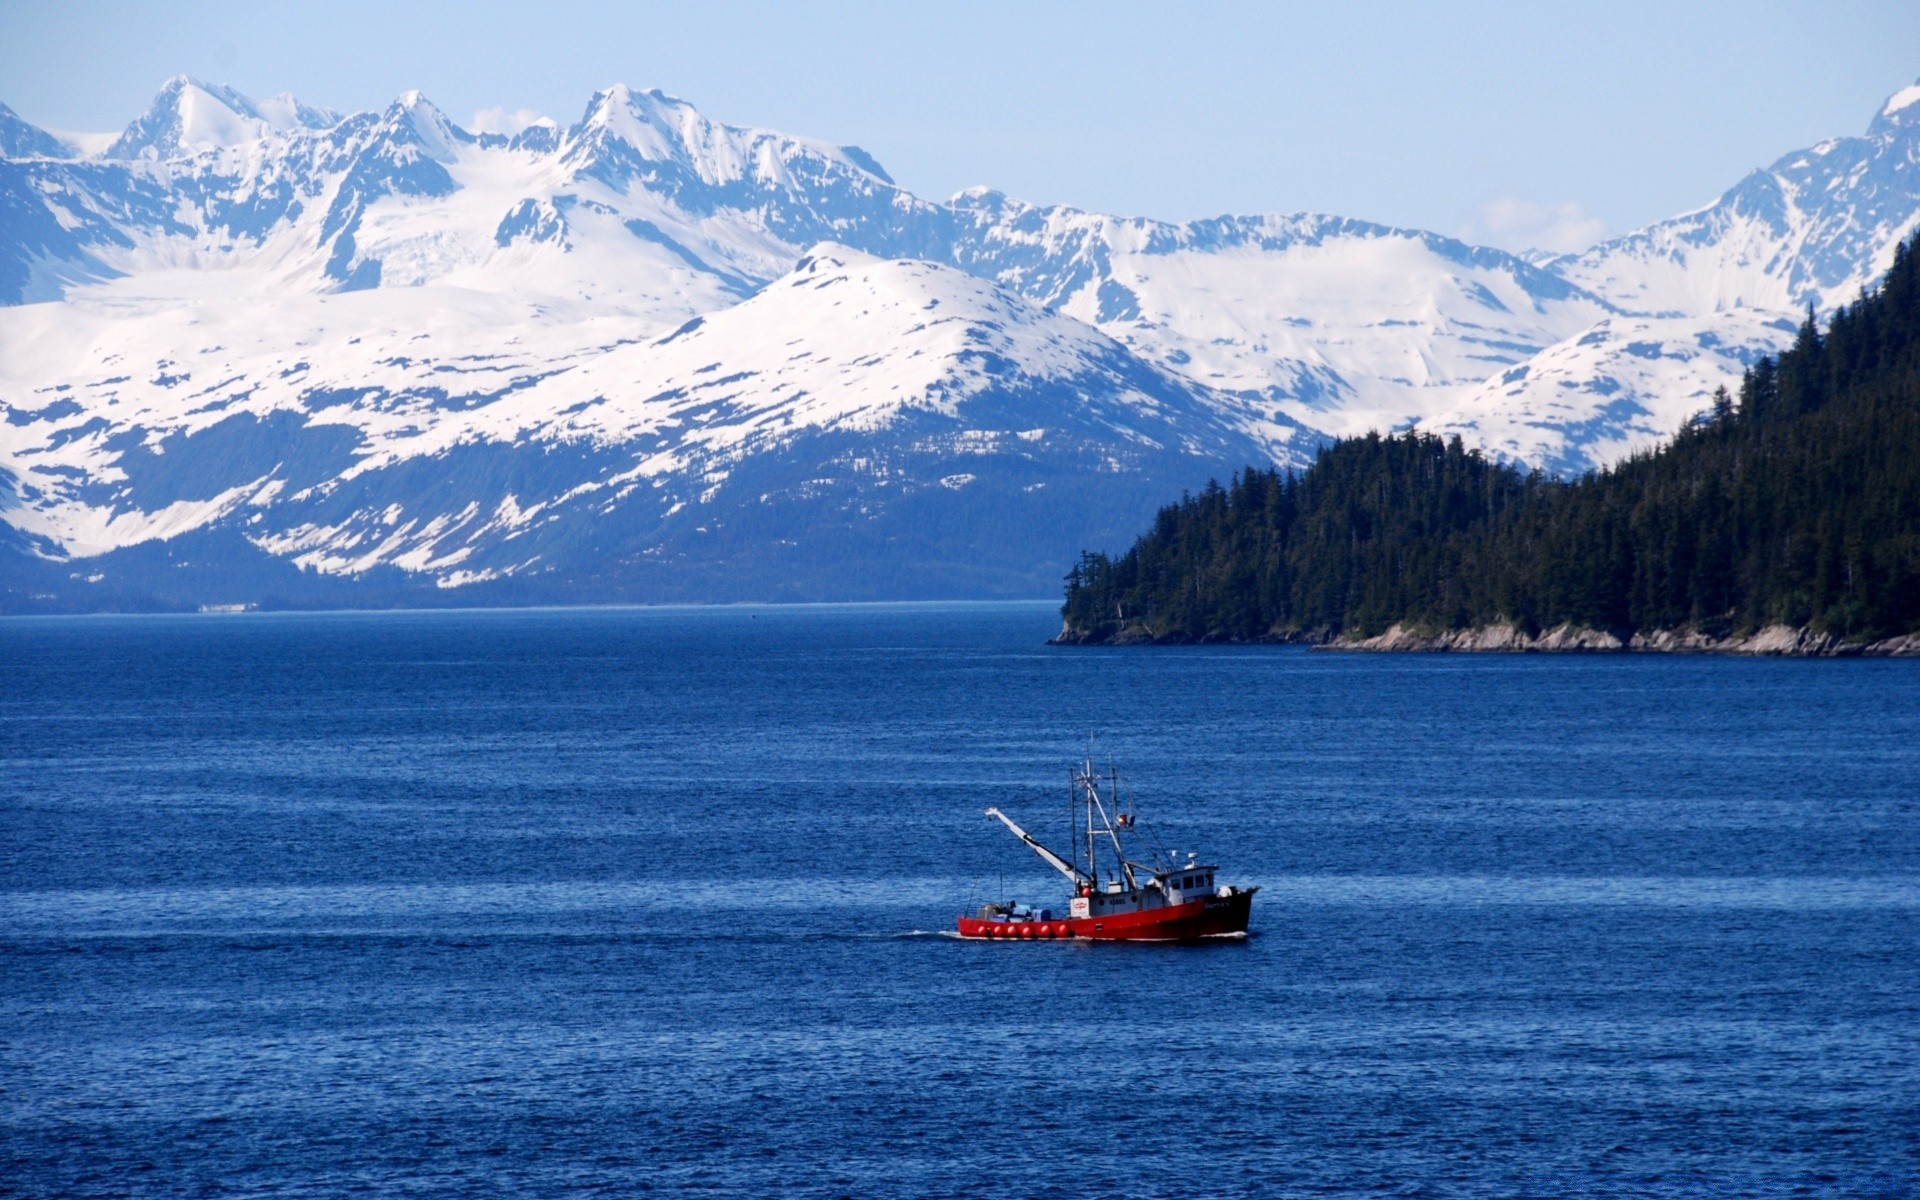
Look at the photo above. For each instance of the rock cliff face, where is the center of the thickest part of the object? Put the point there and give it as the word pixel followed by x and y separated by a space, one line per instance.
pixel 1509 638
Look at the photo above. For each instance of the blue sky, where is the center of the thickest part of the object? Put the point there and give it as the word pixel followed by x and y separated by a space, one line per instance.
pixel 1514 123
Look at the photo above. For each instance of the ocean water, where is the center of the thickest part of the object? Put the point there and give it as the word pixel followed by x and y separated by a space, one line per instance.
pixel 655 902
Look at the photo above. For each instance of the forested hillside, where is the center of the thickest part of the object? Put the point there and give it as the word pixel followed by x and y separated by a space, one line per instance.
pixel 1798 503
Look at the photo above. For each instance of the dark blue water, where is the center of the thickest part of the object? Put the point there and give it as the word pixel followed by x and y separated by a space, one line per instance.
pixel 650 902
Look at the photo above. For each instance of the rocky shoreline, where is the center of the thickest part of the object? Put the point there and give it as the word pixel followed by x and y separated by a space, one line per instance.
pixel 1773 641
pixel 1780 641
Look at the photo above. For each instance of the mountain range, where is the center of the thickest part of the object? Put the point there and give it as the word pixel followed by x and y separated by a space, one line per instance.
pixel 258 352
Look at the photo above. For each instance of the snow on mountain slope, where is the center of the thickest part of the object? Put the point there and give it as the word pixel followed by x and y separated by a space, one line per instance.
pixel 90 381
pixel 1621 387
pixel 21 139
pixel 1342 324
pixel 648 207
pixel 906 393
pixel 386 313
pixel 672 213
pixel 1813 228
pixel 1712 291
pixel 644 203
pixel 189 117
pixel 647 204
pixel 849 342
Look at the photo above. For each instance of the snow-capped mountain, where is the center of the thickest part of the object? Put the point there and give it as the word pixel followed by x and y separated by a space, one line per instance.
pixel 1812 229
pixel 381 347
pixel 646 203
pixel 969 438
pixel 189 117
pixel 1340 324
pixel 1623 385
pixel 677 214
pixel 1708 294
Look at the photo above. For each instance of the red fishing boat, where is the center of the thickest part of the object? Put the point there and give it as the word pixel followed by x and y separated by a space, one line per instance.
pixel 1114 897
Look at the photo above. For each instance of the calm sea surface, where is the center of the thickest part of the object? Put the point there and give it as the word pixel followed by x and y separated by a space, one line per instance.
pixel 627 902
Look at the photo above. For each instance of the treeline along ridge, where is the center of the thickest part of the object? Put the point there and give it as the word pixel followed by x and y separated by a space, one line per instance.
pixel 1796 503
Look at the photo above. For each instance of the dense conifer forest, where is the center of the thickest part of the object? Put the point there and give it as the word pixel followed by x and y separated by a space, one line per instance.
pixel 1796 503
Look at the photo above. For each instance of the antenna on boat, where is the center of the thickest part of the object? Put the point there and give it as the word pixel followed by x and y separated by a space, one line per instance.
pixel 1093 861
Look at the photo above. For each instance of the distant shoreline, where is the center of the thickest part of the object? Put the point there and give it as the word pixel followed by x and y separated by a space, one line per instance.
pixel 253 612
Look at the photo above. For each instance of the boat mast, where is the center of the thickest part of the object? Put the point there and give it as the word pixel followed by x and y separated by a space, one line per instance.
pixel 1086 788
pixel 1100 823
pixel 1126 867
pixel 1073 820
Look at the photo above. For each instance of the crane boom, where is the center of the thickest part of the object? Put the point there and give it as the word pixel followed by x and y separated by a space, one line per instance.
pixel 1053 860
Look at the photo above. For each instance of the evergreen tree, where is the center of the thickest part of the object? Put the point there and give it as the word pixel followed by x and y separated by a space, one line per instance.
pixel 1799 502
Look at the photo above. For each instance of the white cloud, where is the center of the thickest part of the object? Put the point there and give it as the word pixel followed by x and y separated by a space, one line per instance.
pixel 1514 224
pixel 507 121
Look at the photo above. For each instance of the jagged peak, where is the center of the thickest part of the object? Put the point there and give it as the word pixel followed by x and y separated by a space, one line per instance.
pixel 618 93
pixel 646 104
pixel 649 118
pixel 189 115
pixel 414 116
pixel 1900 112
pixel 178 86
pixel 660 127
pixel 620 114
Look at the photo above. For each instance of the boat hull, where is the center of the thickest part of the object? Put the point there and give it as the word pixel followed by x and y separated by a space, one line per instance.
pixel 1212 916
